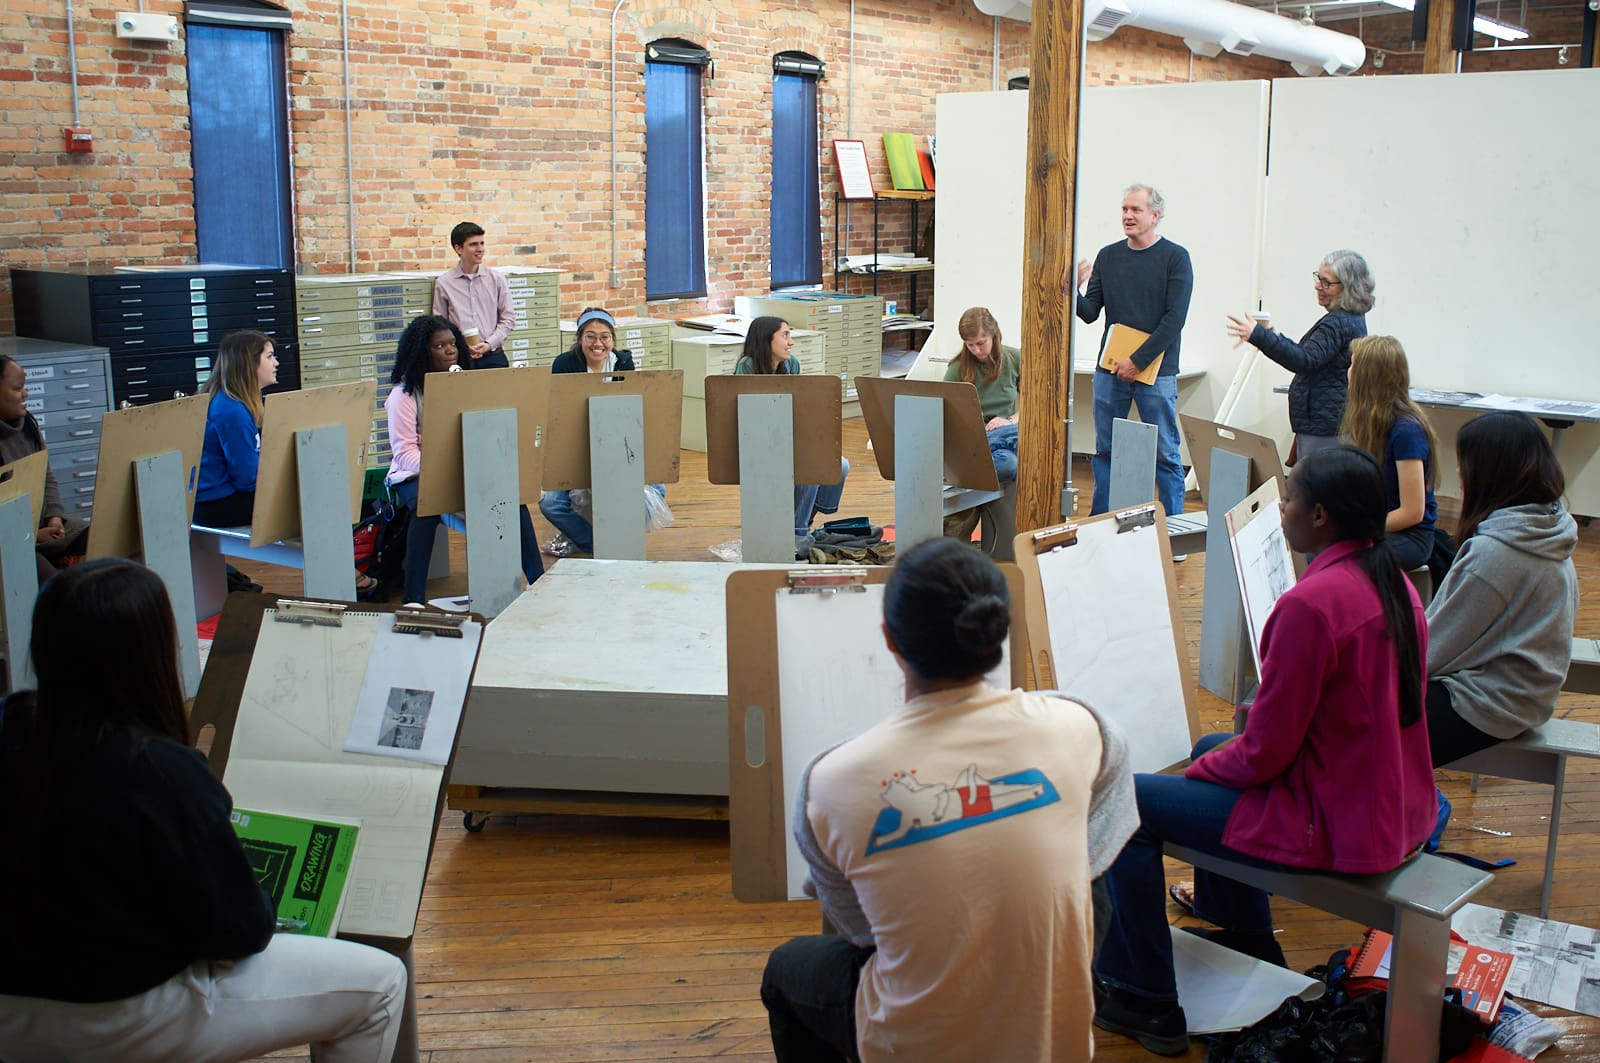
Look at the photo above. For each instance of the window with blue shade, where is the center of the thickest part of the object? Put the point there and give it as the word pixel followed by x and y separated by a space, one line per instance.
pixel 796 189
pixel 674 196
pixel 239 124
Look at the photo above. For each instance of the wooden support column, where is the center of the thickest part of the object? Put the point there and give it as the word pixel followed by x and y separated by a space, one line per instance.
pixel 1439 55
pixel 1048 273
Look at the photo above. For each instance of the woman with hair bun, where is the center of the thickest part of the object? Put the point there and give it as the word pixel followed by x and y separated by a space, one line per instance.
pixel 957 837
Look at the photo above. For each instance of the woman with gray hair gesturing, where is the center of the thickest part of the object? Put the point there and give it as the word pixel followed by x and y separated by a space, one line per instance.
pixel 1321 360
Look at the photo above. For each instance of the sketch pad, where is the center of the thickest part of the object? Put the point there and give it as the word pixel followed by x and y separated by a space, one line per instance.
pixel 1261 558
pixel 807 669
pixel 283 749
pixel 1103 625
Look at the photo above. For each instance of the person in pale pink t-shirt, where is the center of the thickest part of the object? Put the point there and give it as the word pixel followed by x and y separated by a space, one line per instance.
pixel 473 296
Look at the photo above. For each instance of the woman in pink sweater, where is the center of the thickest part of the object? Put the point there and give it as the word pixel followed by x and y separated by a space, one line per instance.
pixel 1331 773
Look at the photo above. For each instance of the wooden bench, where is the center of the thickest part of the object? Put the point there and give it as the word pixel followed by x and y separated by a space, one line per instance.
pixel 1414 903
pixel 1539 755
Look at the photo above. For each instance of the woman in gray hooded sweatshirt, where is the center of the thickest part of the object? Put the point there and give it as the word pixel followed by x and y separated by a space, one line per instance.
pixel 1500 626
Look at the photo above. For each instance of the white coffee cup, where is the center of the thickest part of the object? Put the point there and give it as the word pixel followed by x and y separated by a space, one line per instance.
pixel 472 336
pixel 1261 317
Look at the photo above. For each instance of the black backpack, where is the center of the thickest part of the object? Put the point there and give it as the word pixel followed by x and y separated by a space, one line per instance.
pixel 387 564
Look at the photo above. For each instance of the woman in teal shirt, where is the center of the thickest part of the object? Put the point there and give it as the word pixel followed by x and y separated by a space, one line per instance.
pixel 994 369
pixel 769 348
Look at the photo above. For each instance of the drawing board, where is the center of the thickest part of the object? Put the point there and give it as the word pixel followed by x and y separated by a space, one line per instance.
pixel 1261 559
pixel 125 437
pixel 1204 436
pixel 566 443
pixel 25 476
pixel 1104 628
pixel 525 389
pixel 817 424
pixel 277 507
pixel 967 461
pixel 807 669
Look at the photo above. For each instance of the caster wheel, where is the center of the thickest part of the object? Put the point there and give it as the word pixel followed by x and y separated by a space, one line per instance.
pixel 474 822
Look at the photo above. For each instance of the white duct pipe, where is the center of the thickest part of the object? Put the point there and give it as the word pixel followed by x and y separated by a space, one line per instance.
pixel 1210 27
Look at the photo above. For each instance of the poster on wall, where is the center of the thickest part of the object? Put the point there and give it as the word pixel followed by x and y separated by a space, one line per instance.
pixel 855 178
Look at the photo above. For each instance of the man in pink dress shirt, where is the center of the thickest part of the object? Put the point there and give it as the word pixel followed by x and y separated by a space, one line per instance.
pixel 473 296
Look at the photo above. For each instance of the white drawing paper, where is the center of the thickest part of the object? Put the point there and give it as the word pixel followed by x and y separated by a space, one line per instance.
pixel 1261 560
pixel 1224 990
pixel 1111 637
pixel 836 678
pixel 413 693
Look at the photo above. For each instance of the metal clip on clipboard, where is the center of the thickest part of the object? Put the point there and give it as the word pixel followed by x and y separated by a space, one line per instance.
pixel 417 622
pixel 321 614
pixel 850 580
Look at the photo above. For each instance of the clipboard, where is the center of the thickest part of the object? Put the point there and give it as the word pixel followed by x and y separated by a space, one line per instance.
pixel 1121 342
pixel 817 424
pixel 760 790
pixel 524 388
pixel 276 513
pixel 1103 624
pixel 26 476
pixel 408 794
pixel 1262 560
pixel 566 460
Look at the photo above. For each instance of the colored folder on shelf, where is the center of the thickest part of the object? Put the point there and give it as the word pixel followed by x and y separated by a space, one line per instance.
pixel 1121 342
pixel 925 163
pixel 901 151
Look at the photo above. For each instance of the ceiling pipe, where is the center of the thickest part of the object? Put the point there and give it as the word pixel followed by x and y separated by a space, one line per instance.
pixel 1210 27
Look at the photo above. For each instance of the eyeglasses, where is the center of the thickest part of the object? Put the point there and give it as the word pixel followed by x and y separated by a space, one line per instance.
pixel 1323 282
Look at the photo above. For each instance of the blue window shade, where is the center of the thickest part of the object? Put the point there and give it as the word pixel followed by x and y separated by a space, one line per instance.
pixel 674 195
pixel 796 194
pixel 239 125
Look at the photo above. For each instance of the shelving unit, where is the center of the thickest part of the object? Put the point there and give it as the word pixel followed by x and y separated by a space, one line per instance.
pixel 916 199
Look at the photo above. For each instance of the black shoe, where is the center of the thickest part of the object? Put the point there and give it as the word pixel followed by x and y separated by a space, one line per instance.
pixel 1159 1026
pixel 1261 946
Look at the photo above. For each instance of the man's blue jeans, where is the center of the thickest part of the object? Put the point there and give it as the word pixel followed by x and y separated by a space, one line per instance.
pixel 1158 406
pixel 557 509
pixel 1137 952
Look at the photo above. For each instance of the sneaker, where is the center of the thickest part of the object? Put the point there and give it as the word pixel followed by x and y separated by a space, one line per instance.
pixel 561 546
pixel 1179 558
pixel 1160 1026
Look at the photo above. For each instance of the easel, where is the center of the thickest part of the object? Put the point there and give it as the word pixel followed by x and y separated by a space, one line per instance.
pixel 762 767
pixel 613 433
pixel 1100 591
pixel 217 708
pixel 766 434
pixel 926 434
pixel 144 497
pixel 313 444
pixel 481 454
pixel 21 500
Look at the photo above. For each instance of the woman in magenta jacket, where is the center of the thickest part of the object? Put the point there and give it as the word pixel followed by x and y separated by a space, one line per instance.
pixel 1331 773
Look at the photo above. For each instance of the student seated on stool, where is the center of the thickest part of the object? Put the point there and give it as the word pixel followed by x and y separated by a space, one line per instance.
pixel 1342 662
pixel 136 929
pixel 57 537
pixel 1500 626
pixel 953 846
pixel 429 345
pixel 592 352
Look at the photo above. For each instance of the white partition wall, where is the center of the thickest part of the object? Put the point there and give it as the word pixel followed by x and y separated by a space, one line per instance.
pixel 1203 146
pixel 1472 197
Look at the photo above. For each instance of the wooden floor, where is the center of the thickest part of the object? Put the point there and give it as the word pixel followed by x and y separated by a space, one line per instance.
pixel 561 938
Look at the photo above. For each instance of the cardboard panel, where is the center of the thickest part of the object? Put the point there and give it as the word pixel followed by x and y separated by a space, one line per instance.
pixel 277 508
pixel 566 442
pixel 125 437
pixel 817 424
pixel 967 461
pixel 449 395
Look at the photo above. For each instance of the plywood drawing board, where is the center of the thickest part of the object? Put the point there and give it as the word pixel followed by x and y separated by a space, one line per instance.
pixel 26 476
pixel 125 437
pixel 525 389
pixel 817 424
pixel 277 507
pixel 1103 626
pixel 764 761
pixel 1203 436
pixel 566 443
pixel 1262 560
pixel 967 461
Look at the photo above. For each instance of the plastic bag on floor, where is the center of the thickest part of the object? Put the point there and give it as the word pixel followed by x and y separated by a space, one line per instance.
pixel 657 514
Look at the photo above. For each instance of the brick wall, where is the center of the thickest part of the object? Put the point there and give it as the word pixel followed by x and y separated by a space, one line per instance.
pixel 497 111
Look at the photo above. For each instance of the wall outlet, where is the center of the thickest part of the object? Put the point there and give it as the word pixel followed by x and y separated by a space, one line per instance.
pixel 140 26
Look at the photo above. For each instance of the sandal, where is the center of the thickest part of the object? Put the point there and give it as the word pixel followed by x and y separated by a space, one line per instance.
pixel 1182 894
pixel 365 584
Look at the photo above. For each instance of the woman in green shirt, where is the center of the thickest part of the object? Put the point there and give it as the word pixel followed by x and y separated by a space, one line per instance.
pixel 994 369
pixel 769 348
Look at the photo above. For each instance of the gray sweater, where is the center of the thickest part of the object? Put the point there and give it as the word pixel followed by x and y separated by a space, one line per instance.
pixel 1500 627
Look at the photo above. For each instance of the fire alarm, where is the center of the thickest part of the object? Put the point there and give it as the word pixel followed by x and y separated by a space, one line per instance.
pixel 78 139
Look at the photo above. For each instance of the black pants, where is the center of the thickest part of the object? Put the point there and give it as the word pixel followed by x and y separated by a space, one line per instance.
pixel 1449 736
pixel 809 989
pixel 231 511
pixel 490 360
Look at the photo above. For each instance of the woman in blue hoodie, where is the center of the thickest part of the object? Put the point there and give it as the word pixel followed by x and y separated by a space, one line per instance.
pixel 1500 626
